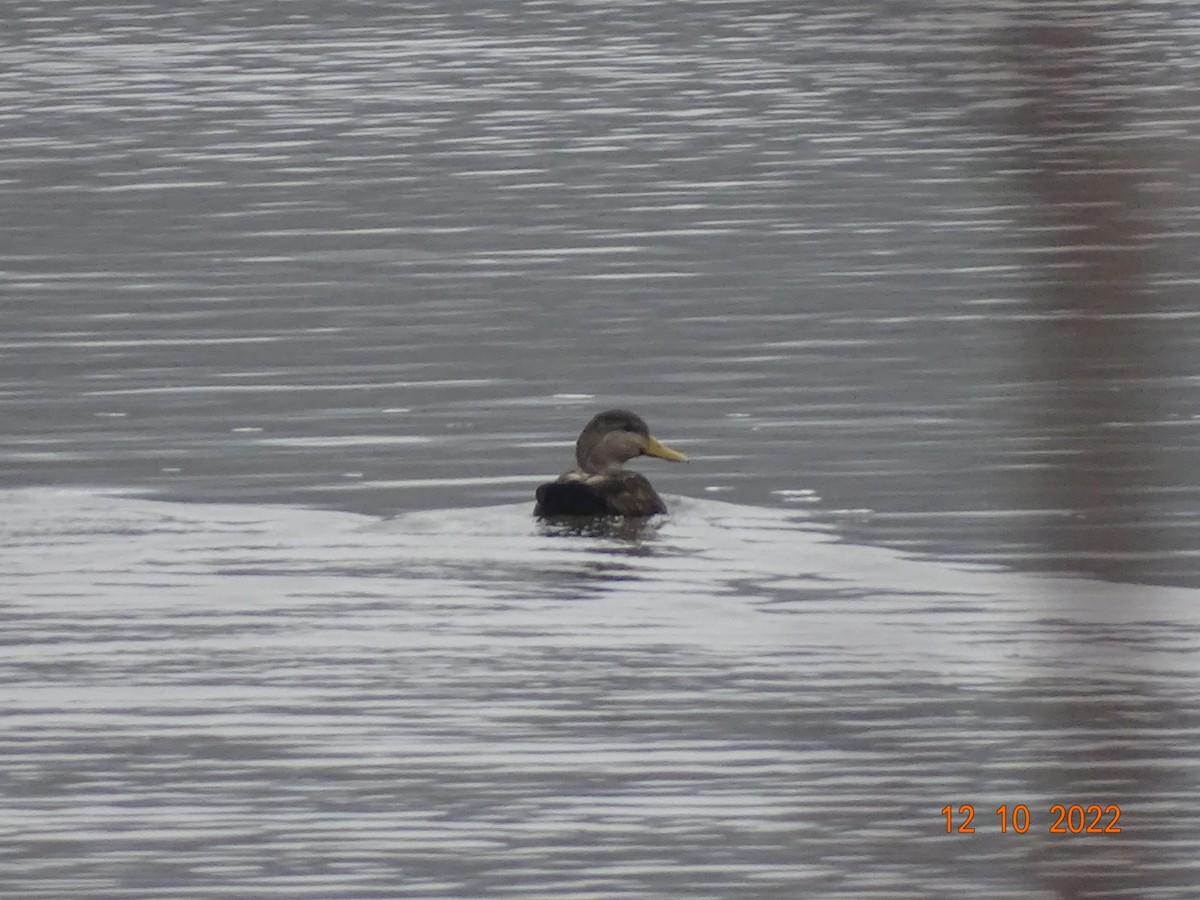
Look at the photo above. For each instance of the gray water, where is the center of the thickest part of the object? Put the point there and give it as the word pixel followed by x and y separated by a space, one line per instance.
pixel 300 303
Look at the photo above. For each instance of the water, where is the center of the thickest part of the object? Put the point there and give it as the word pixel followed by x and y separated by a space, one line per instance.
pixel 912 286
pixel 298 702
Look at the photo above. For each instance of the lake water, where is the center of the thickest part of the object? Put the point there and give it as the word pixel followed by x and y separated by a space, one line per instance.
pixel 301 302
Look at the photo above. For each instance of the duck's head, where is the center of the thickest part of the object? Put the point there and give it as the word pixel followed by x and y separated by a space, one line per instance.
pixel 617 435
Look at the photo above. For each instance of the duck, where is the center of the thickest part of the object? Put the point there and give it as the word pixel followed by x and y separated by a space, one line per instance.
pixel 598 486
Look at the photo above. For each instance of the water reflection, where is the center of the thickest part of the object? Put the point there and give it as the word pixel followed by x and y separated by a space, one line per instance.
pixel 459 700
pixel 630 530
pixel 1092 351
pixel 1095 358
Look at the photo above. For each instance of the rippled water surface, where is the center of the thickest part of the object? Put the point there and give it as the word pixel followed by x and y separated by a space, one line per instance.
pixel 467 704
pixel 913 284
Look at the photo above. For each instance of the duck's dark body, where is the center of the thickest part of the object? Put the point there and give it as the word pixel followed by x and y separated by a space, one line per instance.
pixel 599 486
pixel 619 494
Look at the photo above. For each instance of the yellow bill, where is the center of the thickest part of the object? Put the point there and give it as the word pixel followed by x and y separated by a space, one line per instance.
pixel 662 451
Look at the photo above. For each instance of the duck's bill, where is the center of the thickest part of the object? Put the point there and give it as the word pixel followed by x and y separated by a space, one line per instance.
pixel 662 451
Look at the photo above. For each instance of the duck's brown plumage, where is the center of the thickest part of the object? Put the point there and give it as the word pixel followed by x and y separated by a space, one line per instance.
pixel 599 486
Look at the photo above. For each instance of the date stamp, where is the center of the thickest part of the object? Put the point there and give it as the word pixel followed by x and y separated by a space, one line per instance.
pixel 1075 818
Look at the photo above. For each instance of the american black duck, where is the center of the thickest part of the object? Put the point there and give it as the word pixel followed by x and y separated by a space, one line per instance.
pixel 598 485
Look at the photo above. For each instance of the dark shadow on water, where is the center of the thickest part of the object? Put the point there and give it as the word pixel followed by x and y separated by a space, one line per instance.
pixel 1093 353
pixel 629 530
pixel 1092 347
